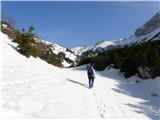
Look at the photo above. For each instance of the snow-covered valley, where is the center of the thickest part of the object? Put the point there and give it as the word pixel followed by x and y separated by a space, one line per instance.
pixel 32 88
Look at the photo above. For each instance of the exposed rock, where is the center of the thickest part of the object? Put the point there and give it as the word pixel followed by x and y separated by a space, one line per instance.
pixel 144 72
pixel 150 26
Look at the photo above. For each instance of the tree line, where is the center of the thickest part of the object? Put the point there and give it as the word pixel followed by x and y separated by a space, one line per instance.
pixel 141 59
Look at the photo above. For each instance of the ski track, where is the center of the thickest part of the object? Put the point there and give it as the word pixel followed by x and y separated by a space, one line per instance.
pixel 108 110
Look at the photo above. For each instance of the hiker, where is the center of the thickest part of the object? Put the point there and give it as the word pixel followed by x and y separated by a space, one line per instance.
pixel 91 75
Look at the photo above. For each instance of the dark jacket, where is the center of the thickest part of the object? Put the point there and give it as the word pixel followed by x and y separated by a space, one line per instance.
pixel 91 72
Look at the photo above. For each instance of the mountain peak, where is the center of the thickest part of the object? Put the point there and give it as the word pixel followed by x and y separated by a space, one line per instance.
pixel 104 43
pixel 149 26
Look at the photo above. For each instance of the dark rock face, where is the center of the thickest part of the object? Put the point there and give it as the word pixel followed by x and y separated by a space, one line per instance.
pixel 151 25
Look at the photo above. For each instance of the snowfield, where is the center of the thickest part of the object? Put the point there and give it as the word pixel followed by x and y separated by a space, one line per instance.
pixel 32 88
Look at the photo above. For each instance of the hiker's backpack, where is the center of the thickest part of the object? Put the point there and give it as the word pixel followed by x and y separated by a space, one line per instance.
pixel 90 72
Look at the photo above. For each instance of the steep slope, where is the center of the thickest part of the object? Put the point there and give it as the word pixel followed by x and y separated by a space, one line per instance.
pixel 149 26
pixel 36 88
pixel 57 49
pixel 66 56
pixel 33 88
pixel 149 31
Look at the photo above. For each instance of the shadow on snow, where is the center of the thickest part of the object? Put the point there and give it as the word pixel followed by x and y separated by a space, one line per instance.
pixel 149 106
pixel 76 82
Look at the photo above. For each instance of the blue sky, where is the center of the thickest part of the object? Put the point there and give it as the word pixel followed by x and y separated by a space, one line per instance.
pixel 80 23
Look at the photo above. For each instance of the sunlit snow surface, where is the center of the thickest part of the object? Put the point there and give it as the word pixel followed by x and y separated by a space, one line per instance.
pixel 32 88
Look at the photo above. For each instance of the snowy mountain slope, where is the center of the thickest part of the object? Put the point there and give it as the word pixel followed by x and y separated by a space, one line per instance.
pixel 149 31
pixel 33 88
pixel 24 77
pixel 56 49
pixel 149 26
pixel 155 35
pixel 78 50
pixel 59 49
pixel 133 39
pixel 103 44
